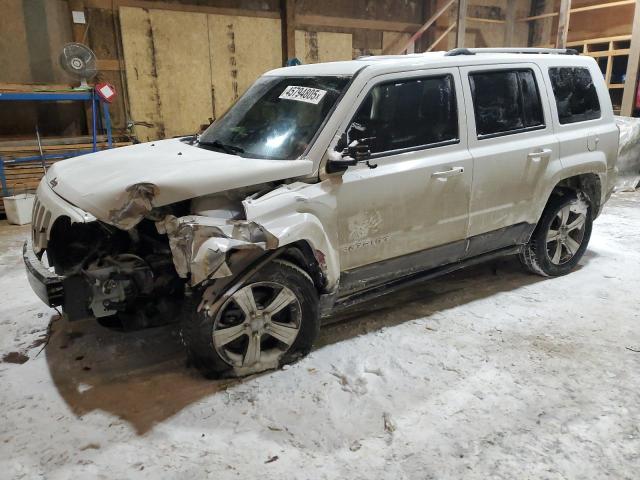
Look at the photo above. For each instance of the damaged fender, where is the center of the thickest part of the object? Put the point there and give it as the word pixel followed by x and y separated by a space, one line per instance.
pixel 302 212
pixel 206 246
pixel 202 245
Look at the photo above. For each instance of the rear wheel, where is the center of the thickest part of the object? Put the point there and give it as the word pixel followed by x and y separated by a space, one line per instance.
pixel 560 238
pixel 271 320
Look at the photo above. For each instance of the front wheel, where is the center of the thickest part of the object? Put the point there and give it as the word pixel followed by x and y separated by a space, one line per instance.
pixel 271 320
pixel 560 238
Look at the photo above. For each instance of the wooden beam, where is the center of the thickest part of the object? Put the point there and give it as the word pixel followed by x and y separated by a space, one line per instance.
pixel 307 20
pixel 425 26
pixel 510 24
pixel 180 7
pixel 485 20
pixel 108 65
pixel 600 40
pixel 609 69
pixel 563 23
pixel 588 8
pixel 461 23
pixel 34 87
pixel 77 29
pixel 288 22
pixel 631 77
pixel 608 53
pixel 341 22
pixel 439 39
pixel 578 10
pixel 537 17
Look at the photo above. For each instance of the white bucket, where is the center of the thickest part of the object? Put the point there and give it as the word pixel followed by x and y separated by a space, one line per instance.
pixel 18 208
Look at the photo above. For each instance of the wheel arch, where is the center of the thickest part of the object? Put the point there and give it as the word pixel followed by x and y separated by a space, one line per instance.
pixel 589 184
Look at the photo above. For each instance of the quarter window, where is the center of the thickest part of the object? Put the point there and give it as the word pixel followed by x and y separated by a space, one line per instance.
pixel 407 114
pixel 576 96
pixel 505 101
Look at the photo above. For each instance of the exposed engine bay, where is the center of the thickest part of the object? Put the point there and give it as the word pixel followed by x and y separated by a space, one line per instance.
pixel 109 272
pixel 137 278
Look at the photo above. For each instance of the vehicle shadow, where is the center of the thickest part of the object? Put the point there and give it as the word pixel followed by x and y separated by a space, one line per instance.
pixel 142 377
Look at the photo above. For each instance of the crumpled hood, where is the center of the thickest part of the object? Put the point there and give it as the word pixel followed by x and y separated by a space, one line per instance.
pixel 121 185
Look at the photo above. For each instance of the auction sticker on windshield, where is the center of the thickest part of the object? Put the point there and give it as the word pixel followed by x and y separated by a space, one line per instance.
pixel 303 94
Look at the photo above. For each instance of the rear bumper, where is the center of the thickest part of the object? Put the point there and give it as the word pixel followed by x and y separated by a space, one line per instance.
pixel 46 285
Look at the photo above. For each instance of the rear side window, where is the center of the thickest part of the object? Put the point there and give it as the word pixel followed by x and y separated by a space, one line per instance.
pixel 576 96
pixel 505 101
pixel 407 114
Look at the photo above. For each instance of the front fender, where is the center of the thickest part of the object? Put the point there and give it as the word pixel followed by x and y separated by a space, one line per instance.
pixel 302 212
pixel 205 247
pixel 306 227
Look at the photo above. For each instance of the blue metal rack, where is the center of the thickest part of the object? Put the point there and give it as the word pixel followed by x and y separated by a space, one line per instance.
pixel 83 96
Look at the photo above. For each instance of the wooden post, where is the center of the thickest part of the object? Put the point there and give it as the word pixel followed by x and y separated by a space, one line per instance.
pixel 288 21
pixel 77 29
pixel 461 23
pixel 563 23
pixel 631 78
pixel 510 23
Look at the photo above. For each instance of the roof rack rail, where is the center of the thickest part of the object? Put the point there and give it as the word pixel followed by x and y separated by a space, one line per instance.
pixel 473 51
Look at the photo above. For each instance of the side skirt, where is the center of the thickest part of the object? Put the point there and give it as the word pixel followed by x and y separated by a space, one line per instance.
pixel 330 305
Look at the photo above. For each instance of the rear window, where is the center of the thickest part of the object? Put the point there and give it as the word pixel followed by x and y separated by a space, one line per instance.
pixel 576 96
pixel 505 102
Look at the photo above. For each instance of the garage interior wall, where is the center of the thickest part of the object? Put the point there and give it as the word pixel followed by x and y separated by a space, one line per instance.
pixel 205 53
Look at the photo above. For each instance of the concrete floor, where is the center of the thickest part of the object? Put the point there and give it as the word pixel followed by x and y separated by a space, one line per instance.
pixel 486 373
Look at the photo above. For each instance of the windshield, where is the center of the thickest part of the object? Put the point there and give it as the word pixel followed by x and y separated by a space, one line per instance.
pixel 276 118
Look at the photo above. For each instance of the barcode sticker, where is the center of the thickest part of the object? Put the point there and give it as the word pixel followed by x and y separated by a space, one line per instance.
pixel 303 94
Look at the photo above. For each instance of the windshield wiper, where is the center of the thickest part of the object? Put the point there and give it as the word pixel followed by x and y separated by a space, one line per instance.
pixel 230 149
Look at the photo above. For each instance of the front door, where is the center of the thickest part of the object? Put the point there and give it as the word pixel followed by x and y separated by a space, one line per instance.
pixel 410 211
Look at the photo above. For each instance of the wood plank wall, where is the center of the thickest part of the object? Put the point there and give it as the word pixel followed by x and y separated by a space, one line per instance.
pixel 186 68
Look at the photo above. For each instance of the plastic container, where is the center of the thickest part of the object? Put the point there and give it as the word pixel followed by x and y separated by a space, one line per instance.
pixel 18 208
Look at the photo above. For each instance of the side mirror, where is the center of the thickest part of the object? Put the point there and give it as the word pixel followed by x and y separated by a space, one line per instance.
pixel 357 151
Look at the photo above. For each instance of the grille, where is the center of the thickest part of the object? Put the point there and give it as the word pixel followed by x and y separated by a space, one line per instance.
pixel 40 219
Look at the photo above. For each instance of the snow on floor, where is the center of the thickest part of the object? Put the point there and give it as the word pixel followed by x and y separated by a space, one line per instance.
pixel 487 373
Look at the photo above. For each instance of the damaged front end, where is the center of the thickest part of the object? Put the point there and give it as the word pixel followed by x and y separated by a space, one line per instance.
pixel 136 264
pixel 202 246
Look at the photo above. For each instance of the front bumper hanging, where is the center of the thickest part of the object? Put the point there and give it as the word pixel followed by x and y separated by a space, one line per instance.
pixel 47 285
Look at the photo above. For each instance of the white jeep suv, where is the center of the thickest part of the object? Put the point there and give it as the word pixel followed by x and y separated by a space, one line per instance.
pixel 326 185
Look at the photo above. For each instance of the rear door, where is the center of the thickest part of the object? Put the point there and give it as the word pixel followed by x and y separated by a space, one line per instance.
pixel 512 142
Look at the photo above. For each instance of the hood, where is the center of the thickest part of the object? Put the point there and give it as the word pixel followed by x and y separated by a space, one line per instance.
pixel 121 185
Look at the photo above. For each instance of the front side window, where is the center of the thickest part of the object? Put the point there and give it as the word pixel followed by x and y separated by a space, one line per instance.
pixel 576 96
pixel 276 118
pixel 407 114
pixel 505 101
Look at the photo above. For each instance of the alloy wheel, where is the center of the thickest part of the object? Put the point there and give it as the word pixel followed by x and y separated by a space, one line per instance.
pixel 566 233
pixel 257 324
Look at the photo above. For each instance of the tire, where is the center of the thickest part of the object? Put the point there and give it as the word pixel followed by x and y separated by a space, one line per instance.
pixel 557 229
pixel 250 334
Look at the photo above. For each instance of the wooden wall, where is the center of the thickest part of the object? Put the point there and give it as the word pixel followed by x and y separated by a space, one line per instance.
pixel 185 68
pixel 186 75
pixel 32 33
pixel 585 25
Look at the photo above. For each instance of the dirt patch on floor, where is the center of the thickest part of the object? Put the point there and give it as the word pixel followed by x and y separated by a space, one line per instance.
pixel 15 357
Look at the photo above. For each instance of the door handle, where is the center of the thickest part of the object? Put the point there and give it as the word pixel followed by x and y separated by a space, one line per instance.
pixel 452 172
pixel 539 154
